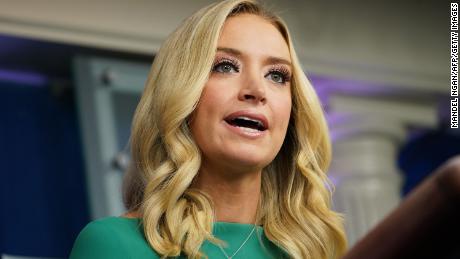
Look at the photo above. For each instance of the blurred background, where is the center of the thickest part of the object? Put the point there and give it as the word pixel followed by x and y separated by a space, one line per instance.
pixel 71 74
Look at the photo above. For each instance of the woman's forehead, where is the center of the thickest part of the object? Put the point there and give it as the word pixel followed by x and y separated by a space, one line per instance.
pixel 254 35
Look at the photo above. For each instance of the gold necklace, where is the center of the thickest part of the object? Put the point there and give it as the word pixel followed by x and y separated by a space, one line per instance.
pixel 246 240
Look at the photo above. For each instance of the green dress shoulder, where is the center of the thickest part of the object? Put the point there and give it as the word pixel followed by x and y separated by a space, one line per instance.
pixel 118 237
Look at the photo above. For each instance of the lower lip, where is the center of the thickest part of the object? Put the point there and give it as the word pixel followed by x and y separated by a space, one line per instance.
pixel 245 132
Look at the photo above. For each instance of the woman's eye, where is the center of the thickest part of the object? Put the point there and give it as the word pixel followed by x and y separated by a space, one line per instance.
pixel 225 67
pixel 277 77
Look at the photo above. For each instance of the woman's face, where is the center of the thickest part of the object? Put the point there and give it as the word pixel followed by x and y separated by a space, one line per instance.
pixel 243 114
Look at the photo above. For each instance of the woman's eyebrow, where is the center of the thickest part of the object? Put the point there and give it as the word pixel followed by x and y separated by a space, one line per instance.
pixel 270 59
pixel 231 51
pixel 275 60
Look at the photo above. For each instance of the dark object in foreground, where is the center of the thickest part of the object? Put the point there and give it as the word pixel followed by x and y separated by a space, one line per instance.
pixel 425 225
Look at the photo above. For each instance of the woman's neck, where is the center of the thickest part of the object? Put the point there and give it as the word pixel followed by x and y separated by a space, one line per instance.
pixel 131 215
pixel 235 198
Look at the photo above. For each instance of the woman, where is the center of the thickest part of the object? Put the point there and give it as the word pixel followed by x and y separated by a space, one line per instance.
pixel 230 149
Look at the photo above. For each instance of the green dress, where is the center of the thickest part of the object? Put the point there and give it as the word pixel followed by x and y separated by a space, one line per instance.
pixel 118 237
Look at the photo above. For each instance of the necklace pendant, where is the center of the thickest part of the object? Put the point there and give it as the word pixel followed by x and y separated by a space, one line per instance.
pixel 247 238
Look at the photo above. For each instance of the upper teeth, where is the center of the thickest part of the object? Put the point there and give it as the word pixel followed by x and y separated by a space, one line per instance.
pixel 260 124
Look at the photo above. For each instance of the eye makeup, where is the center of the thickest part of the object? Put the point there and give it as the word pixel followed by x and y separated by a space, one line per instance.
pixel 281 71
pixel 231 65
pixel 221 61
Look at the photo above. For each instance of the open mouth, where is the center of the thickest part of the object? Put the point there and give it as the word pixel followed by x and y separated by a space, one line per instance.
pixel 245 122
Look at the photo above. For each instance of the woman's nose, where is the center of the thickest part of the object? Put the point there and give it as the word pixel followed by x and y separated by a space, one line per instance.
pixel 253 89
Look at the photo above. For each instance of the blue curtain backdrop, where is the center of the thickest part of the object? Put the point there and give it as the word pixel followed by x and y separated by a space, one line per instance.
pixel 43 201
pixel 423 154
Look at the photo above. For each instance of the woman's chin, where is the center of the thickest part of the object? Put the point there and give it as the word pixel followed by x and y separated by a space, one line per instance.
pixel 248 160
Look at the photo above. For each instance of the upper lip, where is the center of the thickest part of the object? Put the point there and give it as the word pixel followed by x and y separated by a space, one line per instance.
pixel 249 114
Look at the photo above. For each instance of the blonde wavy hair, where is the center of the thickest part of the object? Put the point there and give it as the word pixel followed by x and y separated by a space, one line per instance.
pixel 294 208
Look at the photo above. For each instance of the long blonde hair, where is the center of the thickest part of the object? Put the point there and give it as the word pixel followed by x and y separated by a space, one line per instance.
pixel 294 208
